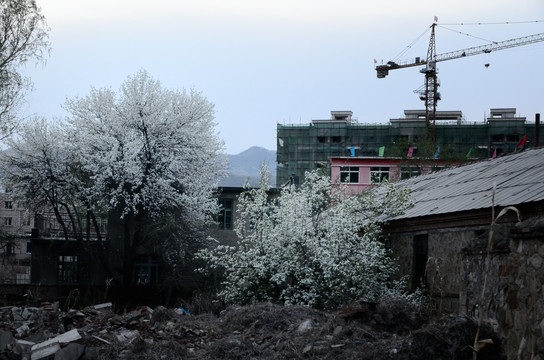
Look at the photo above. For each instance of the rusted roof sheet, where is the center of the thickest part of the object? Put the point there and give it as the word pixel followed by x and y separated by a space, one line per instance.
pixel 519 178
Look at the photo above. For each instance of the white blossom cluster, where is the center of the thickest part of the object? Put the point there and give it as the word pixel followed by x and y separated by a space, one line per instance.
pixel 313 245
pixel 149 148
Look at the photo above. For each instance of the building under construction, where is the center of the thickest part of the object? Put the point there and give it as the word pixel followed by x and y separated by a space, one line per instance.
pixel 302 148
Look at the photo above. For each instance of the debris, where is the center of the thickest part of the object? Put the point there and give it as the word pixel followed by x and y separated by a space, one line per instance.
pixel 261 331
pixel 127 336
pixel 22 330
pixel 100 339
pixel 481 343
pixel 305 325
pixel 102 306
pixel 182 311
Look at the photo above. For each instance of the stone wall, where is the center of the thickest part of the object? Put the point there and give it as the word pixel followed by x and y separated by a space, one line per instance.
pixel 520 313
pixel 512 272
pixel 444 266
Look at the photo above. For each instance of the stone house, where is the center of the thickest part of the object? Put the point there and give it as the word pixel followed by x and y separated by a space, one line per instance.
pixel 475 240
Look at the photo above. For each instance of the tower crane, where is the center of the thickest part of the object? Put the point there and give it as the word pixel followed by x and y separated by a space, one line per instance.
pixel 430 94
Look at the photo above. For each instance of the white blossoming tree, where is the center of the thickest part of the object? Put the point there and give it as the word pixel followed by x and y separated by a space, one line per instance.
pixel 312 245
pixel 44 176
pixel 148 155
pixel 23 39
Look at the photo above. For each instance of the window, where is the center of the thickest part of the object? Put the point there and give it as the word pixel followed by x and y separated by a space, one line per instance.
pixel 8 205
pixel 498 138
pixel 379 174
pixel 67 269
pixel 512 138
pixel 28 247
pixel 407 172
pixel 349 174
pixel 7 221
pixel 225 218
pixel 9 249
pixel 146 274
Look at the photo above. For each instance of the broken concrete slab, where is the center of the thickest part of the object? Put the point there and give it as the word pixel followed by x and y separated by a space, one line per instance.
pixel 51 346
pixel 44 351
pixel 23 348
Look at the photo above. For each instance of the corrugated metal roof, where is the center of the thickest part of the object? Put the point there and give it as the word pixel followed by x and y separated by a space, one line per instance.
pixel 519 178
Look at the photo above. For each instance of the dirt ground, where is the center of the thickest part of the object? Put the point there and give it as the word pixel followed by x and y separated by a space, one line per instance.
pixel 388 330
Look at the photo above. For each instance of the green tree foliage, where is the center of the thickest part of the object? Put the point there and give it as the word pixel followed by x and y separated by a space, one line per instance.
pixel 312 245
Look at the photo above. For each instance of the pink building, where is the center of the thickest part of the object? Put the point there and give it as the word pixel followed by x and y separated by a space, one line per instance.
pixel 358 173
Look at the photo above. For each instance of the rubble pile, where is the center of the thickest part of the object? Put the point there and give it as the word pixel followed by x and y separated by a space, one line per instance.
pixel 261 331
pixel 92 333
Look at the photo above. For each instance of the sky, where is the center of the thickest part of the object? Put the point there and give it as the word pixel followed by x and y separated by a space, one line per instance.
pixel 264 63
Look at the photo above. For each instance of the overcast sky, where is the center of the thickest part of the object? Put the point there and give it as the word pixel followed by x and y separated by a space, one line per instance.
pixel 266 62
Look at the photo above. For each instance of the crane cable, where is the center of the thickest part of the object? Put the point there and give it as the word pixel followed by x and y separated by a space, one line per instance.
pixel 409 46
pixel 462 33
pixel 490 23
pixel 498 23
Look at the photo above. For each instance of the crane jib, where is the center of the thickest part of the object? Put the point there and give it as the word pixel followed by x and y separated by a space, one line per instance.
pixel 485 49
pixel 383 70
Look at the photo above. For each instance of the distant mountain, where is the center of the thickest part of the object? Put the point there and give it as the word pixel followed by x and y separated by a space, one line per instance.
pixel 247 165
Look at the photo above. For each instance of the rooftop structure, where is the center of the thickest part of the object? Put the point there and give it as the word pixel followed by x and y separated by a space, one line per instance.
pixel 302 148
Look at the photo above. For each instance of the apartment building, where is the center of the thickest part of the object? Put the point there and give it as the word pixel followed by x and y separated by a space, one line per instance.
pixel 307 147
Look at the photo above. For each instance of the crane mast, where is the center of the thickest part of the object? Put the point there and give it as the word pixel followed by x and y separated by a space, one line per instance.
pixel 430 94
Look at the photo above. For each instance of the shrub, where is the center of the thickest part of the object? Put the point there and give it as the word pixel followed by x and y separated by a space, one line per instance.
pixel 313 245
